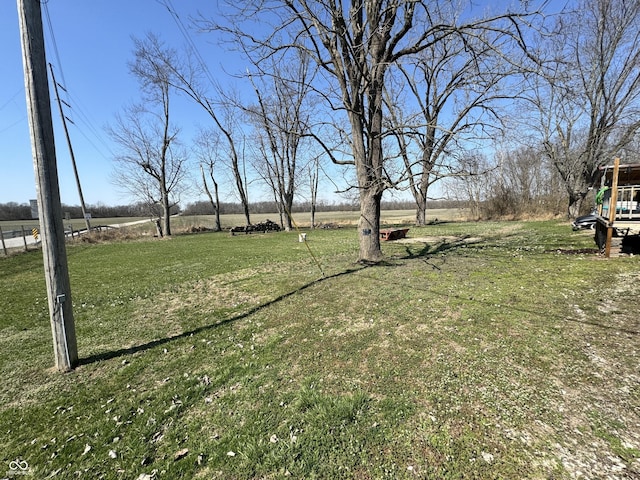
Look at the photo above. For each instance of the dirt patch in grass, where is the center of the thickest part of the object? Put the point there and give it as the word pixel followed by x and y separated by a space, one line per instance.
pixel 577 251
pixel 598 407
pixel 209 300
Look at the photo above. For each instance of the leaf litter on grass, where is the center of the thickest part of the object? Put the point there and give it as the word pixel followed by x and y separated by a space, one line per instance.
pixel 603 404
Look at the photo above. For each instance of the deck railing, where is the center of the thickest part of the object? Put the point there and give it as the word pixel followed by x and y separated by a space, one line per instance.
pixel 628 204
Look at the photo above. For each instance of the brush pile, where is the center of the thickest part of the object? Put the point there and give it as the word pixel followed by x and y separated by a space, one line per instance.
pixel 266 226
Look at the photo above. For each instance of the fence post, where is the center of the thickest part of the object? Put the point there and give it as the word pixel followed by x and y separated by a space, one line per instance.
pixel 24 238
pixel 4 247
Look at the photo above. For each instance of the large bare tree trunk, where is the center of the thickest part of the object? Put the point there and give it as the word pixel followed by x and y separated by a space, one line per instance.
pixel 369 226
pixel 314 174
pixel 575 204
pixel 421 213
pixel 288 204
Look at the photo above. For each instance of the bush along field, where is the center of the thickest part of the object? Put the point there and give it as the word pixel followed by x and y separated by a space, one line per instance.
pixel 476 351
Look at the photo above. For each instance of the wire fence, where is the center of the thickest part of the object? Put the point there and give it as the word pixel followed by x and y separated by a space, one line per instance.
pixel 21 237
pixel 28 236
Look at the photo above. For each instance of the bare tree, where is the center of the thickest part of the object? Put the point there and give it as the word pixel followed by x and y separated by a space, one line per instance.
pixel 313 169
pixel 587 97
pixel 356 46
pixel 455 86
pixel 282 119
pixel 152 165
pixel 228 124
pixel 207 150
pixel 189 75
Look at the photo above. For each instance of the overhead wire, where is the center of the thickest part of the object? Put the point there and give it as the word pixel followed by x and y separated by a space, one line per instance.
pixel 53 42
pixel 5 104
pixel 83 118
pixel 9 127
pixel 74 105
pixel 11 99
pixel 185 34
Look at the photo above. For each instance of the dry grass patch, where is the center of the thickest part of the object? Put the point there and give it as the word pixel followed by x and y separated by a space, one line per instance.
pixel 607 384
pixel 112 235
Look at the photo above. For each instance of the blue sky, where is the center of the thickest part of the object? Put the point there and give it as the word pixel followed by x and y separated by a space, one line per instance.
pixel 93 43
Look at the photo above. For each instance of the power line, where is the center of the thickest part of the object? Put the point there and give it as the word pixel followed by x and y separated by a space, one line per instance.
pixel 73 103
pixel 54 43
pixel 85 119
pixel 14 124
pixel 185 34
pixel 12 98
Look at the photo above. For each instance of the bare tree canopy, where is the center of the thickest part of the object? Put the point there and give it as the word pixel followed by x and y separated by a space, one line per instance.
pixel 207 149
pixel 454 89
pixel 187 74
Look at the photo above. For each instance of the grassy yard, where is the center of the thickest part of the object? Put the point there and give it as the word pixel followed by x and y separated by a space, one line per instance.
pixel 477 350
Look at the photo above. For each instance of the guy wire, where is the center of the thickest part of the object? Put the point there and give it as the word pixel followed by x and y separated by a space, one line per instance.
pixel 306 244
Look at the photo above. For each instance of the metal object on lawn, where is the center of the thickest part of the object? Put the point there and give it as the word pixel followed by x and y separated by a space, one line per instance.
pixel 393 233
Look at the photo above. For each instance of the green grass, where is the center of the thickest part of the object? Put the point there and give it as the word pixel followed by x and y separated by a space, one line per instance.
pixel 485 350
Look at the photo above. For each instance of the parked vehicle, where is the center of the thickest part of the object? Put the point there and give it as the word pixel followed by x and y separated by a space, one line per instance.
pixel 585 222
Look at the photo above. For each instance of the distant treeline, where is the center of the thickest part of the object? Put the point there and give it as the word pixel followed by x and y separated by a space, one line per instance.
pixel 22 211
pixel 205 208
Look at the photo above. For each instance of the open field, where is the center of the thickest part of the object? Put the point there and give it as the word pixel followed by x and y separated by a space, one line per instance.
pixel 489 350
pixel 388 217
pixel 303 219
pixel 13 231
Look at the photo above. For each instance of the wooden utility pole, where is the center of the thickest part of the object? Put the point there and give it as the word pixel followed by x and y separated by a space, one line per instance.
pixel 73 157
pixel 44 164
pixel 613 206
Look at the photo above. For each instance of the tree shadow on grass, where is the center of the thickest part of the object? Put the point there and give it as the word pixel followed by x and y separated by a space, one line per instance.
pixel 162 341
pixel 470 298
pixel 439 247
pixel 428 252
